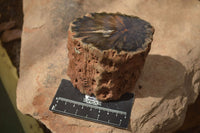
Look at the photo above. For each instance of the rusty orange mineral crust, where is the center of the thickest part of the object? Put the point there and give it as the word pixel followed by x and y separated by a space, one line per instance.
pixel 107 53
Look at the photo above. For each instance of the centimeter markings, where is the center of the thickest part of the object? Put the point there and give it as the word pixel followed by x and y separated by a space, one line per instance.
pixel 91 106
pixel 89 117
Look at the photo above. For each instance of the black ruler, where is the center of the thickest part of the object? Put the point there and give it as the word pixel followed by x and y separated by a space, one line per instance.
pixel 69 101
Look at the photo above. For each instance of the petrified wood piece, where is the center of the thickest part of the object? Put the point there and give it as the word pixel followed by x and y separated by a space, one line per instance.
pixel 107 53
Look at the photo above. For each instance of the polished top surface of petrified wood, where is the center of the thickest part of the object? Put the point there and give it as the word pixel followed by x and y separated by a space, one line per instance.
pixel 113 31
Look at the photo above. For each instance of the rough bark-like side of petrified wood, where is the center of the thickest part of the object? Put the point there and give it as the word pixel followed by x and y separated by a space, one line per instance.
pixel 106 73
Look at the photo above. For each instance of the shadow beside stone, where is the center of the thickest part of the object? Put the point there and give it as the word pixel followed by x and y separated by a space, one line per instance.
pixel 161 75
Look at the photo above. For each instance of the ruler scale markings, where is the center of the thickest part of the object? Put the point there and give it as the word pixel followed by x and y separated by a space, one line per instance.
pixel 69 101
pixel 98 116
pixel 92 106
pixel 120 122
pixel 108 121
pixel 87 118
pixel 76 111
pixel 53 107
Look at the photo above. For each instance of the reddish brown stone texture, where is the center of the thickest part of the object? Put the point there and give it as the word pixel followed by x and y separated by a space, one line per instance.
pixel 163 97
pixel 7 25
pixel 106 73
pixel 11 35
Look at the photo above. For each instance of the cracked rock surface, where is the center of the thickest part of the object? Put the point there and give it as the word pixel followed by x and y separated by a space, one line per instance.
pixel 171 75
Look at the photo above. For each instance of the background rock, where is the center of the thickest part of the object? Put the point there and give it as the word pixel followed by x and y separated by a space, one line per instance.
pixel 171 76
pixel 7 25
pixel 192 120
pixel 10 35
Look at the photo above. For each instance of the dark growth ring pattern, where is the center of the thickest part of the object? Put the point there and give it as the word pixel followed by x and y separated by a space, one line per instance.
pixel 113 31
